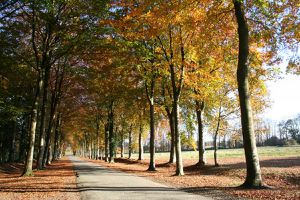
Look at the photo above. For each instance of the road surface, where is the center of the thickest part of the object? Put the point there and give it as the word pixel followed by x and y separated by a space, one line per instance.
pixel 97 182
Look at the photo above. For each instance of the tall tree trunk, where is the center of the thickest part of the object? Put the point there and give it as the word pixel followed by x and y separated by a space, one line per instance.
pixel 253 178
pixel 34 110
pixel 141 149
pixel 201 145
pixel 13 141
pixel 90 149
pixel 106 135
pixel 43 119
pixel 22 152
pixel 101 154
pixel 215 139
pixel 56 137
pixel 98 139
pixel 48 144
pixel 216 135
pixel 84 148
pixel 49 155
pixel 171 124
pixel 48 141
pixel 215 149
pixel 111 134
pixel 176 89
pixel 150 97
pixel 130 142
pixel 122 145
pixel 179 164
pixel 54 102
pixel 152 138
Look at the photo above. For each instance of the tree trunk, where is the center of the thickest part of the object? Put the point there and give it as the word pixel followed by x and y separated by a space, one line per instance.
pixel 179 165
pixel 171 124
pixel 141 149
pixel 122 145
pixel 56 138
pixel 152 138
pixel 253 178
pixel 90 150
pixel 215 142
pixel 98 140
pixel 43 119
pixel 34 110
pixel 55 99
pixel 176 90
pixel 216 136
pixel 201 146
pixel 13 141
pixel 48 143
pixel 106 134
pixel 150 97
pixel 101 154
pixel 84 148
pixel 111 134
pixel 215 149
pixel 23 139
pixel 130 142
pixel 49 155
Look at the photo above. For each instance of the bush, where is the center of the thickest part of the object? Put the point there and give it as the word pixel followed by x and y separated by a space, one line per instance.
pixel 298 139
pixel 290 142
pixel 273 141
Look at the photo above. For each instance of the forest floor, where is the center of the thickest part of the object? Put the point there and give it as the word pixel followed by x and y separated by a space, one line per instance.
pixel 58 181
pixel 282 174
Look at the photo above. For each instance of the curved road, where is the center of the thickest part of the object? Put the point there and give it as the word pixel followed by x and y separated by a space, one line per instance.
pixel 96 182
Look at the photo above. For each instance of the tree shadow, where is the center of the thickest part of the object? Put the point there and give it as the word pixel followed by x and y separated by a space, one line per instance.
pixel 281 162
pixel 214 192
pixel 126 189
pixel 295 180
pixel 166 165
pixel 11 168
pixel 35 190
pixel 211 169
pixel 225 168
pixel 129 161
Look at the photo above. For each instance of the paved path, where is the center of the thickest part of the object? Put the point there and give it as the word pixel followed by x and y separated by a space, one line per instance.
pixel 96 182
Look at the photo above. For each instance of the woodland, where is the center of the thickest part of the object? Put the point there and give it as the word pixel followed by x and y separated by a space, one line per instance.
pixel 108 77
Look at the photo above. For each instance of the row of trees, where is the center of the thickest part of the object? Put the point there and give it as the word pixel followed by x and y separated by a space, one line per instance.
pixel 39 44
pixel 97 73
pixel 286 132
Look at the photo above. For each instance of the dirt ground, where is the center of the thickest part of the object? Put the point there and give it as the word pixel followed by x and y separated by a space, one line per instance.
pixel 58 181
pixel 282 174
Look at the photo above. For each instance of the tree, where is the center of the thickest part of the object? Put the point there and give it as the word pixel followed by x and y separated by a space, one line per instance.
pixel 253 178
pixel 150 86
pixel 224 107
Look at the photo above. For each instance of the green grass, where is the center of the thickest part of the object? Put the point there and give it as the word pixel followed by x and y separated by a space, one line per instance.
pixel 290 151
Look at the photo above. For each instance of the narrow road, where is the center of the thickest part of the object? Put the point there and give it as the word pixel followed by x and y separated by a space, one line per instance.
pixel 96 182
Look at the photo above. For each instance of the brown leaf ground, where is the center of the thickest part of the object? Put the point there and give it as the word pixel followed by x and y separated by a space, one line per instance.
pixel 58 181
pixel 283 174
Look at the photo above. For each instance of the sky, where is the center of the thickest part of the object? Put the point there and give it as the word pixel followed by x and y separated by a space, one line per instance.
pixel 285 97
